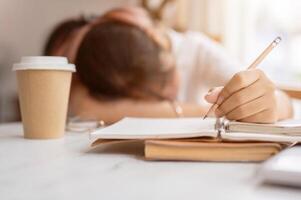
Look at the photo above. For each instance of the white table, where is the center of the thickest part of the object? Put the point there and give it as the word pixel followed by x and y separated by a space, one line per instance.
pixel 68 169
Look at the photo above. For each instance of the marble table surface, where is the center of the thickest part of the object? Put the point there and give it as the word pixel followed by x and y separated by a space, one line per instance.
pixel 69 169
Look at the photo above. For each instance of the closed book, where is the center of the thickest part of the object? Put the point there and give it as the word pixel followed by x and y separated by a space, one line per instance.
pixel 216 151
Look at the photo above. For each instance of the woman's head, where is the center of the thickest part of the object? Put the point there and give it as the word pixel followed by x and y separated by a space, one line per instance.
pixel 122 55
pixel 119 60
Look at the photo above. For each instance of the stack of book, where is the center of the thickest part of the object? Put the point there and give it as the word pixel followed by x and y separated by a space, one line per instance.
pixel 195 139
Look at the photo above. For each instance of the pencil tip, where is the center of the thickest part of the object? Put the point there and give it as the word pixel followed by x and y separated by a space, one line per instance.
pixel 205 117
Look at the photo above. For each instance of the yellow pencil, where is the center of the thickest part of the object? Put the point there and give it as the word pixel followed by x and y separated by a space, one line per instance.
pixel 258 60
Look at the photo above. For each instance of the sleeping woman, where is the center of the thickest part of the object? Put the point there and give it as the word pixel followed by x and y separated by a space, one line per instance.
pixel 127 65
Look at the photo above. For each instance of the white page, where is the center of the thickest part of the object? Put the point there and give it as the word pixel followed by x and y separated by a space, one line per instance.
pixel 285 127
pixel 239 136
pixel 289 123
pixel 157 128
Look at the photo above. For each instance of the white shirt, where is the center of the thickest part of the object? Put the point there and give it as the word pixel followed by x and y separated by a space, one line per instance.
pixel 202 64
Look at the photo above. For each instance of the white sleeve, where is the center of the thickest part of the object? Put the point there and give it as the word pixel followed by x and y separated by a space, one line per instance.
pixel 213 65
pixel 202 62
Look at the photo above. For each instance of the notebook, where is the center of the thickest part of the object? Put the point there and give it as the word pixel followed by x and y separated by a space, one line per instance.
pixel 196 139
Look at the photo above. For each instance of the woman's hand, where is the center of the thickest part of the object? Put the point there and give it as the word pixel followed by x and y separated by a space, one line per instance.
pixel 249 97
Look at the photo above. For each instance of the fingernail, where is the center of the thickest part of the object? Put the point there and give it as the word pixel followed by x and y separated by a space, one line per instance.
pixel 209 93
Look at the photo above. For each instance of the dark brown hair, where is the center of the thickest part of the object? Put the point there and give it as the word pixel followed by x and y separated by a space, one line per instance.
pixel 61 33
pixel 118 60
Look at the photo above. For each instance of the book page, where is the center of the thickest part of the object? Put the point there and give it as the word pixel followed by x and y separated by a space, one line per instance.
pixel 295 123
pixel 285 127
pixel 157 128
pixel 241 136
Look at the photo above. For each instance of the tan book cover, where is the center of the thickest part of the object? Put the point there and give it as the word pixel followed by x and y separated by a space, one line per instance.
pixel 217 151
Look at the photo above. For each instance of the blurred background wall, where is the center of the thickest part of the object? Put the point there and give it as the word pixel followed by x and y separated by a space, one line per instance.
pixel 24 26
pixel 244 27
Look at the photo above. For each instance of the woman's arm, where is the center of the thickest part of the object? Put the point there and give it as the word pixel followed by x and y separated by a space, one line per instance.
pixel 113 111
pixel 249 96
pixel 87 107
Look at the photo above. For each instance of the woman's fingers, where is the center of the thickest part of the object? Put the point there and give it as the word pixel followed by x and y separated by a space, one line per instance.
pixel 212 95
pixel 249 96
pixel 241 97
pixel 266 116
pixel 239 81
pixel 252 108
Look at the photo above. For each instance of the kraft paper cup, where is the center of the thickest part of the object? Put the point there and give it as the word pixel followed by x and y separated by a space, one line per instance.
pixel 43 87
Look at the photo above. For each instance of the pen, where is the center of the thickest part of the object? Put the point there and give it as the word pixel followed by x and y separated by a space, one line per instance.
pixel 258 60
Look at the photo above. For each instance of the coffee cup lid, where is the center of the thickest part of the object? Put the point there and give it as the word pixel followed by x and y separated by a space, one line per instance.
pixel 44 63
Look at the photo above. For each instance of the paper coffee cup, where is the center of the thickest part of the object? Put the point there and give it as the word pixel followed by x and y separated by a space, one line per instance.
pixel 43 87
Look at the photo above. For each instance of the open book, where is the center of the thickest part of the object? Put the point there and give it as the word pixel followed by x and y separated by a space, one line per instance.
pixel 182 138
pixel 171 128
